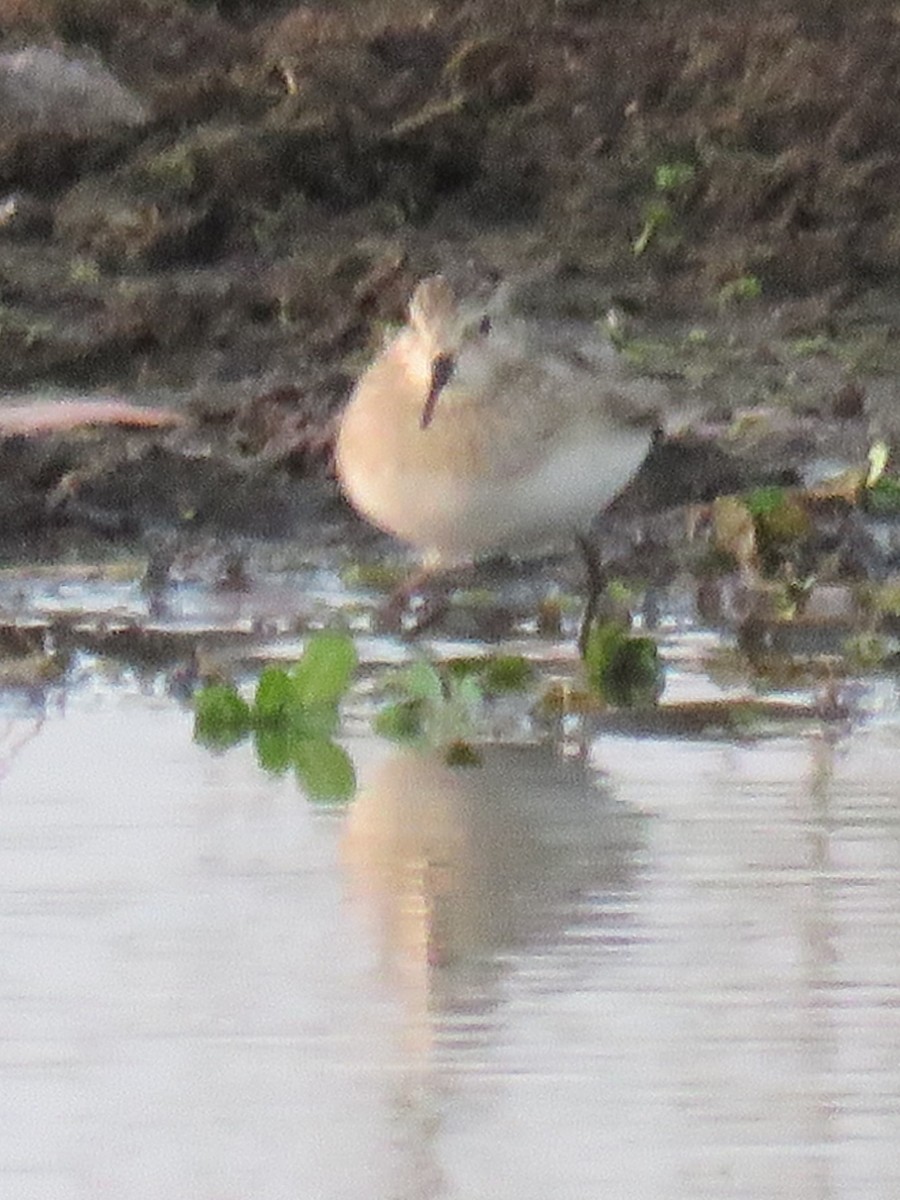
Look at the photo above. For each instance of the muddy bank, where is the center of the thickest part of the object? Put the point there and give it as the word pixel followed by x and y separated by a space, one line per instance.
pixel 271 178
pixel 223 207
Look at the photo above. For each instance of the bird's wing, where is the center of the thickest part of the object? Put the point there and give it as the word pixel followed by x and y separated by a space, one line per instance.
pixel 515 407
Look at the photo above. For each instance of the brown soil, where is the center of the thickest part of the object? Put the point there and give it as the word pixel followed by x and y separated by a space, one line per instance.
pixel 299 166
pixel 303 163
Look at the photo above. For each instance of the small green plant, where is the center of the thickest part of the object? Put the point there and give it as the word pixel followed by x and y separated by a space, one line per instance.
pixel 293 717
pixel 84 270
pixel 173 170
pixel 764 500
pixel 882 498
pixel 438 709
pixel 623 670
pixel 221 716
pixel 881 493
pixel 866 650
pixel 657 215
pixel 878 457
pixel 672 177
pixel 815 344
pixel 669 181
pixel 441 707
pixel 374 576
pixel 496 674
pixel 736 291
pixel 781 521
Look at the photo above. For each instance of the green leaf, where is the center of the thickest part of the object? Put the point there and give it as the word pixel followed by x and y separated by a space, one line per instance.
pixel 273 749
pixel 668 177
pixel 323 769
pixel 423 682
pixel 623 670
pixel 878 456
pixel 764 500
pixel 275 696
pixel 507 673
pixel 221 716
pixel 402 722
pixel 745 287
pixel 314 720
pixel 471 664
pixel 604 638
pixel 883 496
pixel 278 707
pixel 497 673
pixel 466 693
pixel 634 674
pixel 657 214
pixel 323 674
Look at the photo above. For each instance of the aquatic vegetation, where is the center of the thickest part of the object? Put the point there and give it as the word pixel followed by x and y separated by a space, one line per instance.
pixel 622 669
pixel 442 707
pixel 867 650
pixel 292 719
pixel 222 717
pixel 770 529
pixel 437 709
pixel 496 673
pixel 781 522
pixel 374 576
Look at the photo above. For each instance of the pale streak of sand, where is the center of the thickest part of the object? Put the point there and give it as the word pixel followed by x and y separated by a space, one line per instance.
pixel 60 416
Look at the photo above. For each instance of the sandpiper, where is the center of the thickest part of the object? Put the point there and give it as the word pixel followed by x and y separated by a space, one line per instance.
pixel 475 433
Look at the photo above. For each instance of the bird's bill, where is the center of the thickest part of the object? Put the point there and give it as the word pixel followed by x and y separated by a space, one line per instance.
pixel 441 373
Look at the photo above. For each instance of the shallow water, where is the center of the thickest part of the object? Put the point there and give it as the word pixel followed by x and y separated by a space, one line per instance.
pixel 670 968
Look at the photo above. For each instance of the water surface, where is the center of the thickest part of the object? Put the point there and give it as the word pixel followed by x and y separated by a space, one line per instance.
pixel 670 971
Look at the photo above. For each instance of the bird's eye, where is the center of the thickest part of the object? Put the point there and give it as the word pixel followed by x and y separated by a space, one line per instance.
pixel 484 326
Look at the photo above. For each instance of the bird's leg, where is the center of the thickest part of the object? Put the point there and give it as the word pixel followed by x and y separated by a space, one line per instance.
pixel 390 616
pixel 596 582
pixel 435 603
pixel 433 585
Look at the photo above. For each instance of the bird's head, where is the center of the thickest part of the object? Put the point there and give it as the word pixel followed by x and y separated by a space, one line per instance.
pixel 442 328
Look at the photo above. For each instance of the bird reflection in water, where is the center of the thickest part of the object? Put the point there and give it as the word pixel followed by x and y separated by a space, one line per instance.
pixel 468 871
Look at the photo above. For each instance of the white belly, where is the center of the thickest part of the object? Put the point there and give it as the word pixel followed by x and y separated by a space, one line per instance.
pixel 454 519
